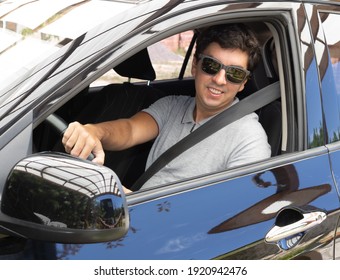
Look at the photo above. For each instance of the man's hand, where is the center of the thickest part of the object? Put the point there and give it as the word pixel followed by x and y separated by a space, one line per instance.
pixel 80 140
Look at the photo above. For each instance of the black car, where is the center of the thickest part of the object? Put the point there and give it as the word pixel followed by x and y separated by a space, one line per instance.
pixel 55 206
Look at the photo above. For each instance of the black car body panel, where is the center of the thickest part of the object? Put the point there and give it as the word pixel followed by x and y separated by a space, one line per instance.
pixel 195 230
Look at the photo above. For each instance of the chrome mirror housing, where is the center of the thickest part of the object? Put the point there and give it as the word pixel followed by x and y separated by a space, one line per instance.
pixel 58 198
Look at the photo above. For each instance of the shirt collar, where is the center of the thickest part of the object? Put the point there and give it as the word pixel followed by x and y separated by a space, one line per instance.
pixel 188 116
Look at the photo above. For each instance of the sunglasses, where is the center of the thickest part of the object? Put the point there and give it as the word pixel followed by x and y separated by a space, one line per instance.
pixel 233 74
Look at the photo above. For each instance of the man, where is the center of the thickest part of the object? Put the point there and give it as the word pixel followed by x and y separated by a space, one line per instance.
pixel 224 53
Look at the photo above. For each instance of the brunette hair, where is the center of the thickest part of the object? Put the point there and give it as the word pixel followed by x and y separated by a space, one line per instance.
pixel 230 36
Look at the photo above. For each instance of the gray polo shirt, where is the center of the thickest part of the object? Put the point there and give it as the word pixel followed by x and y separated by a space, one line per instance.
pixel 240 142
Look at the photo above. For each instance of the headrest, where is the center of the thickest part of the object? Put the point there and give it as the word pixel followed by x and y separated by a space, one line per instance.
pixel 265 72
pixel 137 66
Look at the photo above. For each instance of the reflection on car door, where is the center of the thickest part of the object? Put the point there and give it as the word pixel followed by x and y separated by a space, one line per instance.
pixel 329 68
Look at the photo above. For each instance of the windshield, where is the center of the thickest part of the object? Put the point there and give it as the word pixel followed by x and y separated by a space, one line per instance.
pixel 32 30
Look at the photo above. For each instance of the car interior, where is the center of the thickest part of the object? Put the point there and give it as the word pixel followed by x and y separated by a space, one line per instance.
pixel 122 100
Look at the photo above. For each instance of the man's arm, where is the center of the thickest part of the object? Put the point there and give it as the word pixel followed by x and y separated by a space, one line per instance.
pixel 80 140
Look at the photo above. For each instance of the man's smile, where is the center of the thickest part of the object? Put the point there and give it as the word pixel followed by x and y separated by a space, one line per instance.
pixel 215 91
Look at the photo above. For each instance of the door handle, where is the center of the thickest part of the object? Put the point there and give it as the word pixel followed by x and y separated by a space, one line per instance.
pixel 307 221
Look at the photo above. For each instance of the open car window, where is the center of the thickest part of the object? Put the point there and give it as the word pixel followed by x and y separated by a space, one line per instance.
pixel 147 76
pixel 168 58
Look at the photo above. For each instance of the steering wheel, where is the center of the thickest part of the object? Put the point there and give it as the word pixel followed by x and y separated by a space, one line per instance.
pixel 60 125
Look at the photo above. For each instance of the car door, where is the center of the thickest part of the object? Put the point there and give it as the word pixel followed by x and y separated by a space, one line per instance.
pixel 325 21
pixel 285 207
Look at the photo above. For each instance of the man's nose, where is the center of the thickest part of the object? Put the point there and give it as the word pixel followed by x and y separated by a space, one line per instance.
pixel 220 78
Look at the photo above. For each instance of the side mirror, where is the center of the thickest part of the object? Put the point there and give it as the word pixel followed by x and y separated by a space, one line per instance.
pixel 55 197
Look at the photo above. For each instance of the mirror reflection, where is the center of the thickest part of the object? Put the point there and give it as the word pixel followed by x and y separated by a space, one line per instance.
pixel 57 190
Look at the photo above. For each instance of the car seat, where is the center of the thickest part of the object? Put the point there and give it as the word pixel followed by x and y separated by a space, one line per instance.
pixel 123 101
pixel 270 115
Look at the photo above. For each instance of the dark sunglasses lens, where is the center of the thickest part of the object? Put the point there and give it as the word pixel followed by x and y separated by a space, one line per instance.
pixel 235 75
pixel 210 66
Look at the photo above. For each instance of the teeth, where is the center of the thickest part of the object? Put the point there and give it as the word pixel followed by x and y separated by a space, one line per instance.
pixel 215 91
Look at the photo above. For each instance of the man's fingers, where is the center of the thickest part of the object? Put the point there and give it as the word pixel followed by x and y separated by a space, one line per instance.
pixel 99 156
pixel 79 142
pixel 70 136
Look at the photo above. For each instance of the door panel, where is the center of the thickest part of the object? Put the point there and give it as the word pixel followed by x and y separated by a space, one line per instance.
pixel 335 160
pixel 328 54
pixel 228 220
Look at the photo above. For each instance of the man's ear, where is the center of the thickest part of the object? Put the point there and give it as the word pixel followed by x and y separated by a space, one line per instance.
pixel 194 66
pixel 242 85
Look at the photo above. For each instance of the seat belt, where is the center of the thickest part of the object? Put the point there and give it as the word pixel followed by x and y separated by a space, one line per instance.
pixel 246 106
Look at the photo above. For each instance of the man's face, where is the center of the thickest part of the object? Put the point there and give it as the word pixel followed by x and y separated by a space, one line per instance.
pixel 213 92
